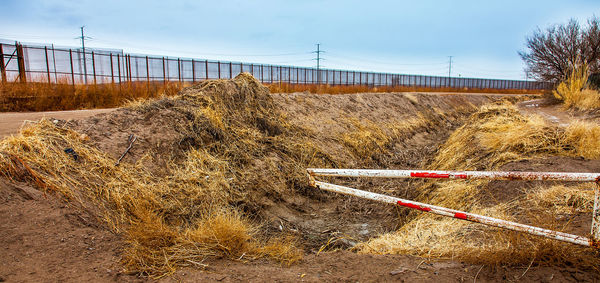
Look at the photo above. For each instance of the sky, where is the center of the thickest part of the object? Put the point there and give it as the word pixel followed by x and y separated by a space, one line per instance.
pixel 408 37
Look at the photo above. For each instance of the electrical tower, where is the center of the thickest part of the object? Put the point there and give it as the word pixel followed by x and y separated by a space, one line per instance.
pixel 450 66
pixel 318 52
pixel 83 37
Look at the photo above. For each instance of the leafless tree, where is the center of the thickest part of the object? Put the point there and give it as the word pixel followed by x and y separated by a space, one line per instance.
pixel 552 53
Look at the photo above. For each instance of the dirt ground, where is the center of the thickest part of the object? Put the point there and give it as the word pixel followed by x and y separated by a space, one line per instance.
pixel 44 238
pixel 10 122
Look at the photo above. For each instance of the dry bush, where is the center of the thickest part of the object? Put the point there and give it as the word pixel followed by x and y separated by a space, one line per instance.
pixel 238 151
pixel 575 91
pixel 494 136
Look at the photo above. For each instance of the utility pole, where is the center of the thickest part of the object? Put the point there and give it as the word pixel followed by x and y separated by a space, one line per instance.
pixel 450 66
pixel 83 37
pixel 318 52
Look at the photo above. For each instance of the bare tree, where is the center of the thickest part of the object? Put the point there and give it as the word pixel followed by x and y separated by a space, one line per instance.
pixel 552 54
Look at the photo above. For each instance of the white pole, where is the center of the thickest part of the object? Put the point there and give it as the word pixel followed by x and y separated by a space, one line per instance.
pixel 459 214
pixel 438 174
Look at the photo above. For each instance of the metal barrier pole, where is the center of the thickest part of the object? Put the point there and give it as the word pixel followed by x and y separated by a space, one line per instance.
pixel 565 237
pixel 596 215
pixel 439 174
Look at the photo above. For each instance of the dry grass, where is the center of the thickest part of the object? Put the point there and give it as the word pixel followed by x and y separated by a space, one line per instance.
pixel 342 89
pixel 240 149
pixel 35 96
pixel 64 96
pixel 575 91
pixel 367 138
pixel 494 136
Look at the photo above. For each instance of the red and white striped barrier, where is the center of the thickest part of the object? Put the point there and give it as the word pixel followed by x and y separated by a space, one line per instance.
pixel 546 176
pixel 436 174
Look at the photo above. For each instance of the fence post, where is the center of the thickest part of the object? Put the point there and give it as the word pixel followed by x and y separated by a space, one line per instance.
pixel 94 66
pixel 219 69
pixel 206 68
pixel 129 66
pixel 2 67
pixel 47 63
pixel 230 71
pixel 179 69
pixel 72 71
pixel 119 68
pixel 112 71
pixel 193 71
pixel 147 69
pixel 21 63
pixel 261 74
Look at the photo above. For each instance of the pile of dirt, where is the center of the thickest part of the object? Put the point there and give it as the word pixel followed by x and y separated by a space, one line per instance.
pixel 218 171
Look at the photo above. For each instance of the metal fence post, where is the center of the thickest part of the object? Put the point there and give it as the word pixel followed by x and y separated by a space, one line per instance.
pixel 206 68
pixel 193 71
pixel 2 67
pixel 94 66
pixel 230 71
pixel 112 72
pixel 47 63
pixel 21 63
pixel 119 68
pixel 179 69
pixel 147 69
pixel 72 71
pixel 129 74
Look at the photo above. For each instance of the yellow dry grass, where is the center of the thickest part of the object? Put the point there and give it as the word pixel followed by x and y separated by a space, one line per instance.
pixel 367 138
pixel 575 91
pixel 192 213
pixel 494 136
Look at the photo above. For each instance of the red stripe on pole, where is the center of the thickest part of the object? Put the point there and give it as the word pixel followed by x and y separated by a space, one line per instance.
pixel 460 215
pixel 414 206
pixel 428 175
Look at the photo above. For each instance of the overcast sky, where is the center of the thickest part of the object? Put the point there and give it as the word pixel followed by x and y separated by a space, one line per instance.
pixel 414 37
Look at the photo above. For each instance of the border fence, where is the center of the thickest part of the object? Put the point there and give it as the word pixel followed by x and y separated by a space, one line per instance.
pixel 39 63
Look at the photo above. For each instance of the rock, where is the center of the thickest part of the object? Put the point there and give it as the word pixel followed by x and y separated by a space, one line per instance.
pixel 399 271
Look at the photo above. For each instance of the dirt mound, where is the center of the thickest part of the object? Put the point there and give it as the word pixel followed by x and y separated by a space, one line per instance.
pixel 219 170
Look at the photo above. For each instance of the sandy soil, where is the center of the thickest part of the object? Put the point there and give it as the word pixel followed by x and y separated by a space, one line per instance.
pixel 44 238
pixel 11 122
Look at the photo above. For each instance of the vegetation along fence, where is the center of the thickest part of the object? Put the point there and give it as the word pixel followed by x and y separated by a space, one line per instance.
pixel 39 63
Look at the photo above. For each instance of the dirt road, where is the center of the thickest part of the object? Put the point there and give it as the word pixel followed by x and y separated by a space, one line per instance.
pixel 11 122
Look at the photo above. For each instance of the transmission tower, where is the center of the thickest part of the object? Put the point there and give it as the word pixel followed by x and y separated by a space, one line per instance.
pixel 318 59
pixel 450 66
pixel 83 37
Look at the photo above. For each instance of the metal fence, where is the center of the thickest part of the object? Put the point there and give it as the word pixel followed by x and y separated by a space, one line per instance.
pixel 39 63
